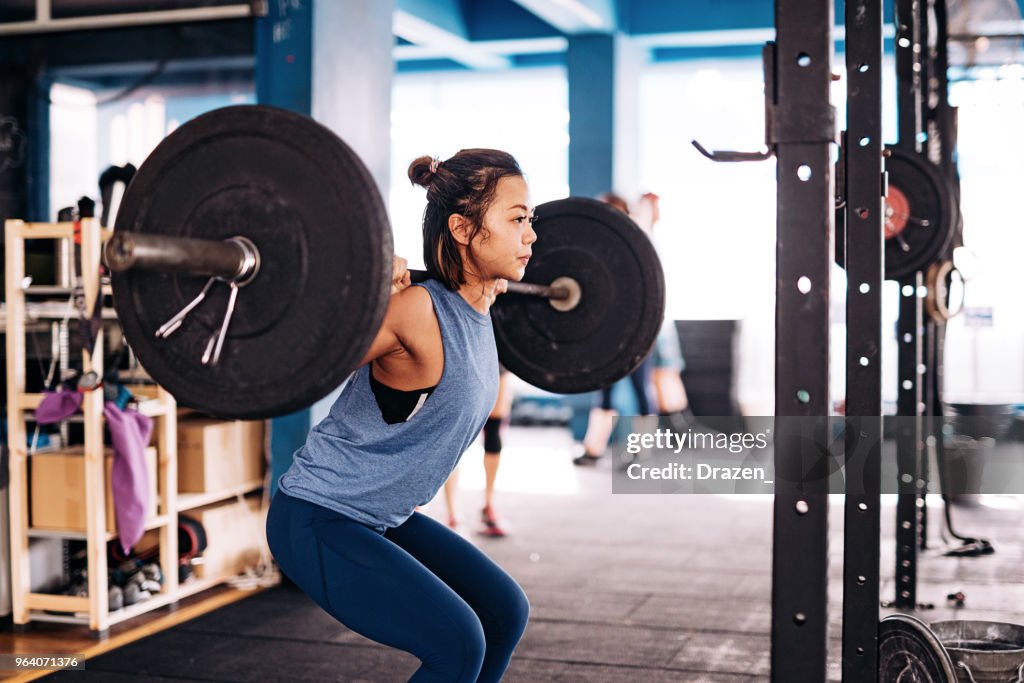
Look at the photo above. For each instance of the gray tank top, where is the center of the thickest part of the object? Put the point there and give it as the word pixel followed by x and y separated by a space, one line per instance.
pixel 356 464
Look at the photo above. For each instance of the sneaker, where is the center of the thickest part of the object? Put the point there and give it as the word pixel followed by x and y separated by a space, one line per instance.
pixel 491 526
pixel 586 460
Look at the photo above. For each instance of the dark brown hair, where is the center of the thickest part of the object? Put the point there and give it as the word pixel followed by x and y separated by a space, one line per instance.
pixel 465 185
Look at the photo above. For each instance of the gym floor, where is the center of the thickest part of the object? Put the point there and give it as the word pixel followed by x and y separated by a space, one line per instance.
pixel 622 588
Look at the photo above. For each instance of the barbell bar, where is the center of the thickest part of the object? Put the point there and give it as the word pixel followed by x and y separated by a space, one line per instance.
pixel 237 260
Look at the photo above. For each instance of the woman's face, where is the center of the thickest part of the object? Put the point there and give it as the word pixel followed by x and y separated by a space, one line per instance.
pixel 503 247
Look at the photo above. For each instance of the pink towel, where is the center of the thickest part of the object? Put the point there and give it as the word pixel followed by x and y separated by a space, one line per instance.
pixel 130 431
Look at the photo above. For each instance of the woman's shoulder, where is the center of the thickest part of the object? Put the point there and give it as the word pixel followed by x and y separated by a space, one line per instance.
pixel 414 308
pixel 413 320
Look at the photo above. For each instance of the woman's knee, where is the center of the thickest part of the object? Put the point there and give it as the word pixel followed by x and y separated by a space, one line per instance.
pixel 519 610
pixel 509 612
pixel 459 654
pixel 474 644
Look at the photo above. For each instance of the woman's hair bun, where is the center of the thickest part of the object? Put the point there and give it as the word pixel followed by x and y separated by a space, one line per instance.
pixel 420 173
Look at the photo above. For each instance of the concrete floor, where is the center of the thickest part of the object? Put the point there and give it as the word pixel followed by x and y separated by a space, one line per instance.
pixel 623 588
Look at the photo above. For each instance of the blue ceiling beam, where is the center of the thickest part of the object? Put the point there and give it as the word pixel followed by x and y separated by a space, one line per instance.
pixel 503 20
pixel 652 16
pixel 576 16
pixel 446 15
pixel 504 48
pixel 439 25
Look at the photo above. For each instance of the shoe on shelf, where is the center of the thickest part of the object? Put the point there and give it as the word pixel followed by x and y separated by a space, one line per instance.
pixel 491 526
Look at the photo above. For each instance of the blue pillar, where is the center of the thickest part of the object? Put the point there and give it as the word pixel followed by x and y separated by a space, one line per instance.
pixel 38 153
pixel 590 66
pixel 602 71
pixel 16 143
pixel 329 59
pixel 604 74
pixel 284 78
pixel 284 57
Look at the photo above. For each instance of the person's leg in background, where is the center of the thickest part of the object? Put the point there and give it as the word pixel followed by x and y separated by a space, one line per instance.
pixel 451 486
pixel 602 417
pixel 492 460
pixel 666 375
pixel 599 430
pixel 492 453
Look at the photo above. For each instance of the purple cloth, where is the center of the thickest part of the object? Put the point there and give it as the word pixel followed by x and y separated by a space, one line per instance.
pixel 58 405
pixel 130 431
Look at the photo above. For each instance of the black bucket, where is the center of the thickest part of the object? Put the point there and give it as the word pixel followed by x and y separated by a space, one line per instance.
pixel 979 420
pixel 983 651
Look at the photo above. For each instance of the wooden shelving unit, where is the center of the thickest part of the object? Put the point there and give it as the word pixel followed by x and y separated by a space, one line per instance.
pixel 92 610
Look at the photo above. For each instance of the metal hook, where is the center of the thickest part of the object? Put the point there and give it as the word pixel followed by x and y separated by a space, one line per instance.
pixel 211 356
pixel 719 155
pixel 168 328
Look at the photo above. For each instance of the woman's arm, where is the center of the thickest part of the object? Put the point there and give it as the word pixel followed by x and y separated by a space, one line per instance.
pixel 386 340
pixel 409 320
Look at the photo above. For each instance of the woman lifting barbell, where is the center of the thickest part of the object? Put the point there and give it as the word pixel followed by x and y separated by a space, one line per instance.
pixel 342 525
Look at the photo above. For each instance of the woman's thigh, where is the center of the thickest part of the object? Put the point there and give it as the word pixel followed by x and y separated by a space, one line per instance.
pixel 371 585
pixel 487 588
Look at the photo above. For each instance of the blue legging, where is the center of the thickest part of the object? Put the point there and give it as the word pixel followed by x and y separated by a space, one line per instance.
pixel 419 587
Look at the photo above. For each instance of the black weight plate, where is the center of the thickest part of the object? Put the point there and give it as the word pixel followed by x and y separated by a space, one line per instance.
pixel 921 215
pixel 314 212
pixel 620 311
pixel 908 652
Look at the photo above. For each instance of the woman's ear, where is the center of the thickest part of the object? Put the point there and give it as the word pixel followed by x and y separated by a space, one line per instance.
pixel 460 228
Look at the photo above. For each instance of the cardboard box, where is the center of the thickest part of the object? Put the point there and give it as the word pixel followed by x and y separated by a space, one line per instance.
pixel 214 455
pixel 58 489
pixel 234 536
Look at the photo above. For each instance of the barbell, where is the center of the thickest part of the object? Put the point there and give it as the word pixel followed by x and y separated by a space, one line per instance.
pixel 251 264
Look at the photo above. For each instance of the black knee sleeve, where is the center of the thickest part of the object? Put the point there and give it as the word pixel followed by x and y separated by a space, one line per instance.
pixel 492 435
